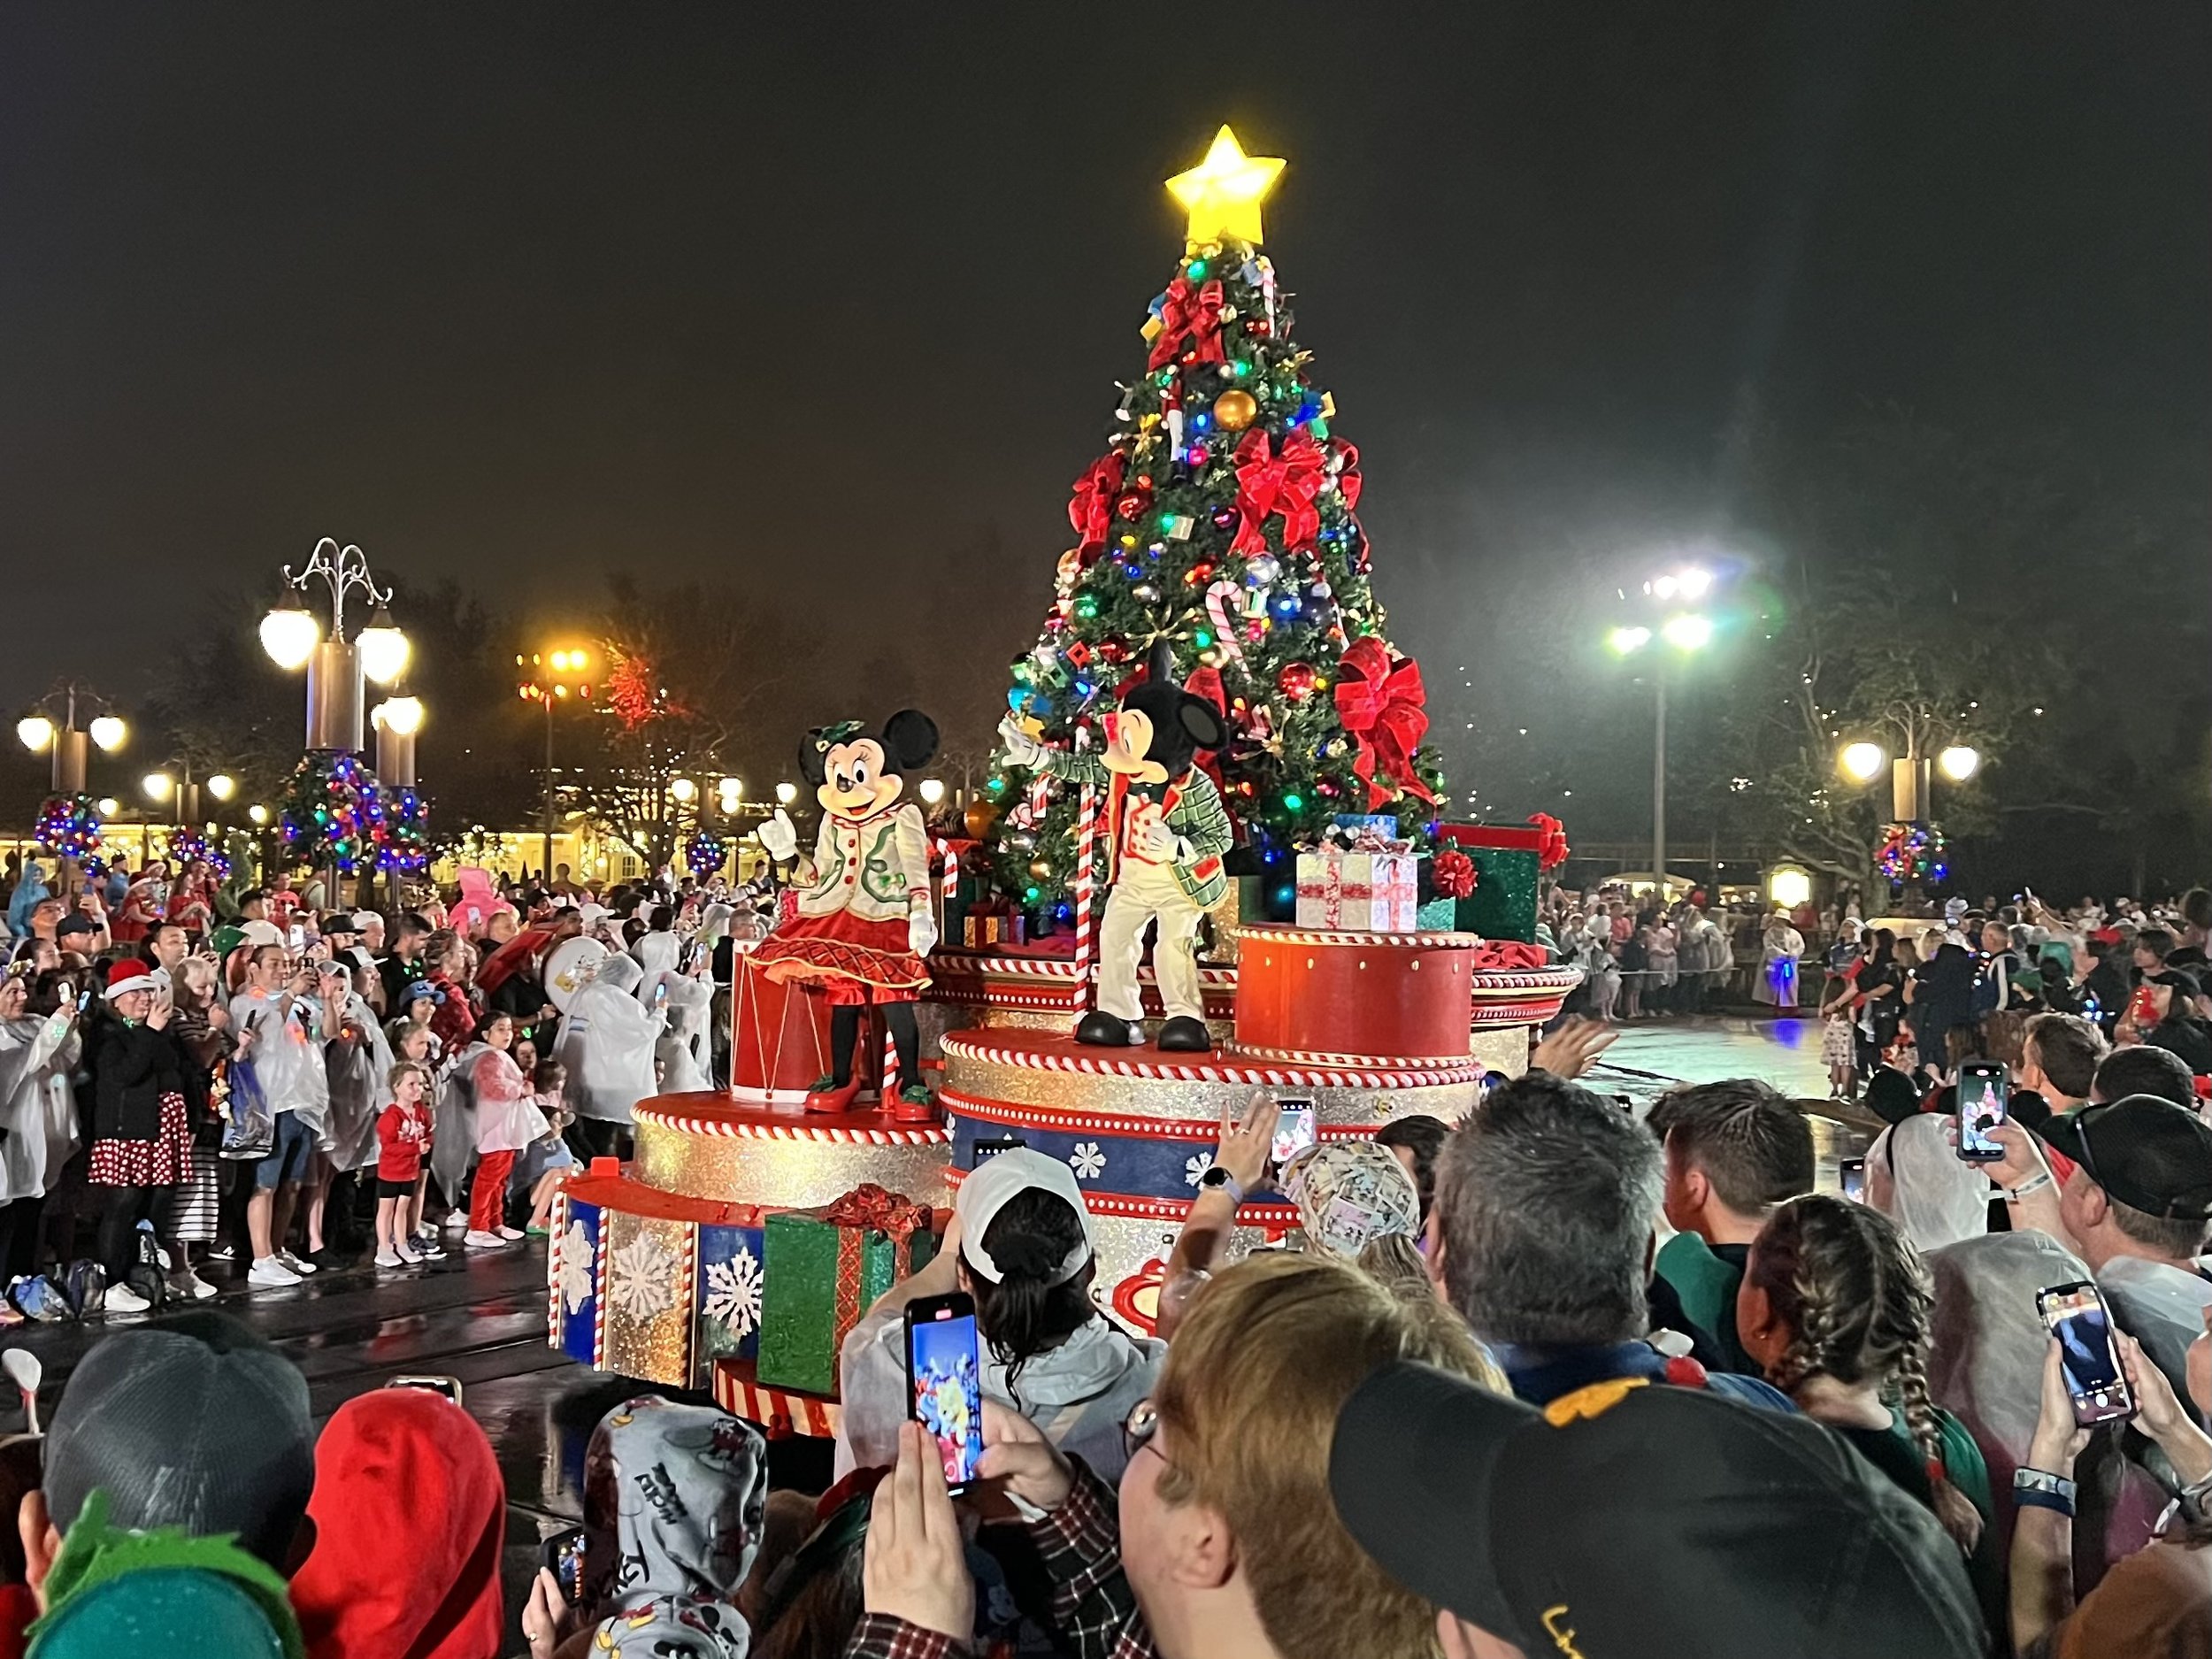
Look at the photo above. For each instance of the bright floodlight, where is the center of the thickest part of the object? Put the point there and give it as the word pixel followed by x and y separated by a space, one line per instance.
pixel 1862 763
pixel 933 791
pixel 290 634
pixel 384 648
pixel 1687 633
pixel 401 715
pixel 787 792
pixel 1625 641
pixel 684 790
pixel 1693 582
pixel 36 730
pixel 156 785
pixel 1958 762
pixel 222 786
pixel 108 733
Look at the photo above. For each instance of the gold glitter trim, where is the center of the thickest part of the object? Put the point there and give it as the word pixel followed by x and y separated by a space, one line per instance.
pixel 793 1174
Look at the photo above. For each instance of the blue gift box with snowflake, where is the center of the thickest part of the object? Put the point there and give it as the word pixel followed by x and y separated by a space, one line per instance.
pixel 731 1277
pixel 576 1281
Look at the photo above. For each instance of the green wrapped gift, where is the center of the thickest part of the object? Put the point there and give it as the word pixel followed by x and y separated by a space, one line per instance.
pixel 822 1270
pixel 1508 860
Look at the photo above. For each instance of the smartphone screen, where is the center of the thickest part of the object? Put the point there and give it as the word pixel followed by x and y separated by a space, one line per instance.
pixel 2076 1315
pixel 989 1146
pixel 296 936
pixel 1852 1173
pixel 448 1386
pixel 1293 1130
pixel 1981 1109
pixel 563 1557
pixel 945 1381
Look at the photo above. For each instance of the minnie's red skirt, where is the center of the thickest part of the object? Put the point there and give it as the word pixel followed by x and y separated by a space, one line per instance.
pixel 852 961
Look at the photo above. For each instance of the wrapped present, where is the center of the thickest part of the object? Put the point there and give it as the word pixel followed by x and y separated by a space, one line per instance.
pixel 993 921
pixel 823 1268
pixel 1382 822
pixel 731 1279
pixel 1509 858
pixel 576 1280
pixel 1437 915
pixel 1359 892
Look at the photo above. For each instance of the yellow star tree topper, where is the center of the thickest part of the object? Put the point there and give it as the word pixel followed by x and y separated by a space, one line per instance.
pixel 1223 192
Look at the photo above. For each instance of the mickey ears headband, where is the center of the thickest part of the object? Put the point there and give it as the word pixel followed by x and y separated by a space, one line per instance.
pixel 842 731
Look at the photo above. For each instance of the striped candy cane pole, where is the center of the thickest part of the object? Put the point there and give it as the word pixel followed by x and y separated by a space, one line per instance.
pixel 1086 834
pixel 889 1090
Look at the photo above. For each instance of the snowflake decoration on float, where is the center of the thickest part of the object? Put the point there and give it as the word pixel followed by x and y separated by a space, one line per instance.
pixel 641 1277
pixel 576 1277
pixel 1088 1161
pixel 1195 1169
pixel 734 1291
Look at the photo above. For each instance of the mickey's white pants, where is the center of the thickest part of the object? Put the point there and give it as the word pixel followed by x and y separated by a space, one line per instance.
pixel 1144 893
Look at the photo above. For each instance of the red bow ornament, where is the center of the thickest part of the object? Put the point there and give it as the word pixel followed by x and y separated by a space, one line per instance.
pixel 1384 707
pixel 1506 955
pixel 1347 482
pixel 1454 873
pixel 1286 482
pixel 1552 851
pixel 1091 509
pixel 1193 312
pixel 868 1205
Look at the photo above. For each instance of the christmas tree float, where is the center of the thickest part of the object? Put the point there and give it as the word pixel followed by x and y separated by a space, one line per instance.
pixel 1221 521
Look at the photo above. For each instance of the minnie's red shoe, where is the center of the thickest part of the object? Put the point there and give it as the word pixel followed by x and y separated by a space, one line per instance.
pixel 828 1095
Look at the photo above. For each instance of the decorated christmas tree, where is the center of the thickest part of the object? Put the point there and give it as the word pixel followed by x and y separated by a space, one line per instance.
pixel 1221 518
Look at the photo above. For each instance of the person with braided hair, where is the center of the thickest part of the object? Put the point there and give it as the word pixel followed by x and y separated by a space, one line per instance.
pixel 1836 1307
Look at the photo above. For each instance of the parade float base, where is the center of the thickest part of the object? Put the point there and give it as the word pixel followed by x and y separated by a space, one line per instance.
pixel 1139 1126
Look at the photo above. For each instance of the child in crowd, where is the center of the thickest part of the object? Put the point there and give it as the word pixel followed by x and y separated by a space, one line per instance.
pixel 508 1119
pixel 417 1045
pixel 403 1136
pixel 545 1162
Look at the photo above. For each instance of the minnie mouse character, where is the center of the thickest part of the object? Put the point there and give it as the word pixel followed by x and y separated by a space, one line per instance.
pixel 1165 832
pixel 864 922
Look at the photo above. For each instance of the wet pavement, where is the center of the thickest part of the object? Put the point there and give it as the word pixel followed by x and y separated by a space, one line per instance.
pixel 481 1318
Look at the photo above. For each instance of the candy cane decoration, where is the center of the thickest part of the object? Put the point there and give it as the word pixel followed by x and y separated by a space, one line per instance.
pixel 886 1091
pixel 1085 834
pixel 1217 597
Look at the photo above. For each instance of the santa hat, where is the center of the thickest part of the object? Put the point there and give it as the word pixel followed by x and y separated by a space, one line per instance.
pixel 129 974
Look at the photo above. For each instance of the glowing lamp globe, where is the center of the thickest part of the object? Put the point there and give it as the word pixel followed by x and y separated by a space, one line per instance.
pixel 1788 886
pixel 108 733
pixel 933 791
pixel 1862 763
pixel 258 814
pixel 684 790
pixel 1624 640
pixel 1958 762
pixel 156 785
pixel 35 731
pixel 787 792
pixel 222 786
pixel 110 806
pixel 384 648
pixel 1687 633
pixel 289 635
pixel 400 715
pixel 735 787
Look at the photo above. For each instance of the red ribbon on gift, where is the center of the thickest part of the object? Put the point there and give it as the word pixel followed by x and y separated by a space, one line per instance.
pixel 868 1205
pixel 1286 483
pixel 1506 955
pixel 1552 850
pixel 1385 709
pixel 1454 873
pixel 1193 312
pixel 1091 509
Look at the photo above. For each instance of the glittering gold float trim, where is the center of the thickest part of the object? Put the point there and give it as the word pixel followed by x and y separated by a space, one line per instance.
pixel 649 1326
pixel 1457 1063
pixel 796 1173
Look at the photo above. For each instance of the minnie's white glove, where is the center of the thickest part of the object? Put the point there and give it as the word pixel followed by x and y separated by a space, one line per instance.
pixel 1021 749
pixel 778 838
pixel 921 929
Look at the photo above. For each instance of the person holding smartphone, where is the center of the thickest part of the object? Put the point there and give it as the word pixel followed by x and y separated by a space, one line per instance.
pixel 1020 1246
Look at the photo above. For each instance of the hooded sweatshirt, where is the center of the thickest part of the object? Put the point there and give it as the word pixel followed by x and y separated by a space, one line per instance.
pixel 410 1513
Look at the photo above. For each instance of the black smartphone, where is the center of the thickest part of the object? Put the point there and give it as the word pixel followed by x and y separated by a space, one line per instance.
pixel 2076 1315
pixel 563 1557
pixel 989 1146
pixel 1852 1172
pixel 1981 1096
pixel 944 1380
pixel 448 1386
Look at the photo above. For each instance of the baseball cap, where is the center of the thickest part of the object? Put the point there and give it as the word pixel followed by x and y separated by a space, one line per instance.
pixel 2148 1153
pixel 1632 1519
pixel 197 1423
pixel 337 923
pixel 77 923
pixel 986 1190
pixel 259 933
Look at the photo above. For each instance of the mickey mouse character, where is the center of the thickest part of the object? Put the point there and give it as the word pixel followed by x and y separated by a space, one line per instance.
pixel 1165 832
pixel 865 921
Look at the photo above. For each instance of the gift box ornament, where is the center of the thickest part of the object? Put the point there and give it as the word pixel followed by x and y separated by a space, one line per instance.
pixel 823 1268
pixel 731 1282
pixel 1383 823
pixel 1358 892
pixel 1508 860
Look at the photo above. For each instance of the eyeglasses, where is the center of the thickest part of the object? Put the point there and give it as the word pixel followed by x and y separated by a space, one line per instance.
pixel 1139 1429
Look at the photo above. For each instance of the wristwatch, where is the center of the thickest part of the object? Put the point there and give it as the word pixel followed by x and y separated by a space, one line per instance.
pixel 1215 1176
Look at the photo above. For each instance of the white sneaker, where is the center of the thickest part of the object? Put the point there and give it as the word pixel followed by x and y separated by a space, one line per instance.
pixel 387 1258
pixel 476 1241
pixel 270 1271
pixel 301 1268
pixel 410 1258
pixel 123 1299
pixel 511 1234
pixel 187 1283
pixel 457 1221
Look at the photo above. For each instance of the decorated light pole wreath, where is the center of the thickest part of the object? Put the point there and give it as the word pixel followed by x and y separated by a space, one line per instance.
pixel 705 853
pixel 331 813
pixel 187 847
pixel 401 830
pixel 1913 852
pixel 69 828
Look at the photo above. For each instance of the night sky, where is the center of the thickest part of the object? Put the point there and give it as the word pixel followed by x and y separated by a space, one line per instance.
pixel 523 292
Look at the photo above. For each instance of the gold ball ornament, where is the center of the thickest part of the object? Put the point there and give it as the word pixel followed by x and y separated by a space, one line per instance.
pixel 979 816
pixel 1235 410
pixel 1040 868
